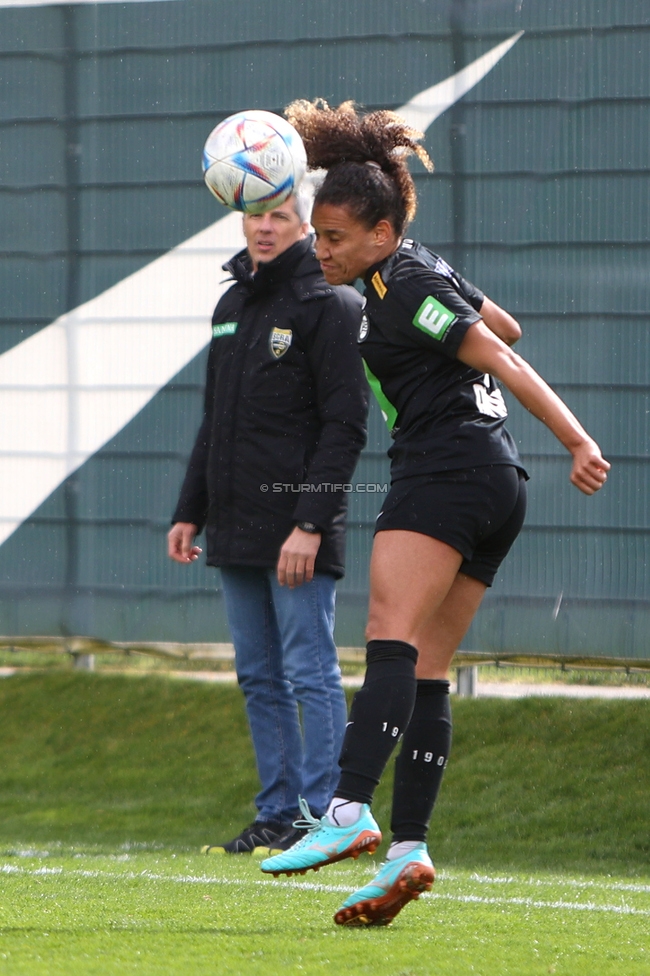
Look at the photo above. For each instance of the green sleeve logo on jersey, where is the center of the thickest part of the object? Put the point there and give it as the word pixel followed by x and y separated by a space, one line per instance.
pixel 433 318
pixel 225 328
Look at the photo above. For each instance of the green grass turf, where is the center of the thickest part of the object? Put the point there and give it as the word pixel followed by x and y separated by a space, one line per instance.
pixel 108 786
pixel 103 761
pixel 154 914
pixel 110 762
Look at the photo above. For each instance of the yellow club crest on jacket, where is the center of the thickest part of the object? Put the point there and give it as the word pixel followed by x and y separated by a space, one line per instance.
pixel 279 341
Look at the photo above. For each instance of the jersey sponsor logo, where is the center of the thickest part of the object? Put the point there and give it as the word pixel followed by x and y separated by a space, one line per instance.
pixel 433 318
pixel 224 328
pixel 279 341
pixel 489 402
pixel 380 287
pixel 364 327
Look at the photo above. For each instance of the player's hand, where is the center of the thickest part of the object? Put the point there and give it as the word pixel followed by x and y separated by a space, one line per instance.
pixel 179 542
pixel 589 472
pixel 297 558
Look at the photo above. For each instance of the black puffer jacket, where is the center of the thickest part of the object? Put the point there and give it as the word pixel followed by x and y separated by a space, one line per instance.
pixel 285 405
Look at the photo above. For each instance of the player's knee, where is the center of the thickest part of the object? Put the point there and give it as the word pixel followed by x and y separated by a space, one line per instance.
pixel 377 630
pixel 384 626
pixel 379 620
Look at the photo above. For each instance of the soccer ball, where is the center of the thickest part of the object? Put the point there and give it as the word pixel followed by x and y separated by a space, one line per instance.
pixel 253 161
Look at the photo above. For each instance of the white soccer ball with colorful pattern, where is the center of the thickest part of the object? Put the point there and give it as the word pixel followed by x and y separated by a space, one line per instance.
pixel 253 161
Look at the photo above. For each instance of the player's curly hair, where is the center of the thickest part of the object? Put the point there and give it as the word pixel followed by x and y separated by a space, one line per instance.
pixel 365 158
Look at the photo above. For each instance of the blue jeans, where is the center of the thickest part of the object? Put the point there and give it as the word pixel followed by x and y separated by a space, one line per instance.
pixel 286 663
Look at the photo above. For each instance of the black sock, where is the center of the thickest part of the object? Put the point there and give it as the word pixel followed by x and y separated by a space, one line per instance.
pixel 380 712
pixel 420 766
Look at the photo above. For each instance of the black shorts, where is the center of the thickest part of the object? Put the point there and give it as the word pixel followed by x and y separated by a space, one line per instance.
pixel 477 511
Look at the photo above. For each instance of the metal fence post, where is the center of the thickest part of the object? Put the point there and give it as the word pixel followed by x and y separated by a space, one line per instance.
pixel 83 662
pixel 467 681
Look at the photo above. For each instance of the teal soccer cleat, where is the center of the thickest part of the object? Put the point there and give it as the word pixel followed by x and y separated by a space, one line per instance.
pixel 324 843
pixel 397 883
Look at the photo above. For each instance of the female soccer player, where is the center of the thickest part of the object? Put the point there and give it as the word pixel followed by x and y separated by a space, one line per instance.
pixel 431 343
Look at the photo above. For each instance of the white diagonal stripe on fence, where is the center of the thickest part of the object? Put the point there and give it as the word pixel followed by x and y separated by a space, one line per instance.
pixel 70 387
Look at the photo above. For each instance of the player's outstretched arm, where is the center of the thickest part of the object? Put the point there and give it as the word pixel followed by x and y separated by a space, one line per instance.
pixel 484 351
pixel 500 322
pixel 179 542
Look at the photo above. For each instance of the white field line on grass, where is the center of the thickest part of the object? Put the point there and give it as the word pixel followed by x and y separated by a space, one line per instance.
pixel 441 875
pixel 315 886
pixel 582 906
pixel 538 882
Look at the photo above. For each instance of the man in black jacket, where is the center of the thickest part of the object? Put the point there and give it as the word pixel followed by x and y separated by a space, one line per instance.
pixel 283 426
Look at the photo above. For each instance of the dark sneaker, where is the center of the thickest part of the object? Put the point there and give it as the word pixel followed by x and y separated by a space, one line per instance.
pixel 261 833
pixel 287 839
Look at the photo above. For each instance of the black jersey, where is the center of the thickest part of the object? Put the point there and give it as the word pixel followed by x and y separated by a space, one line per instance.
pixel 443 415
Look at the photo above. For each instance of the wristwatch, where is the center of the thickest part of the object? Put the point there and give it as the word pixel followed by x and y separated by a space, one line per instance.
pixel 308 527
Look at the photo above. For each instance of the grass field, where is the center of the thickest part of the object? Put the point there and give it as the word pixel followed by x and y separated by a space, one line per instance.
pixel 108 786
pixel 160 913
